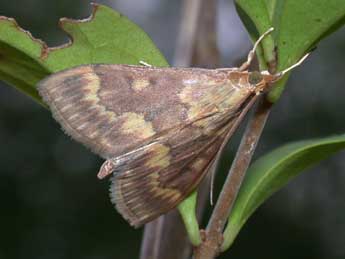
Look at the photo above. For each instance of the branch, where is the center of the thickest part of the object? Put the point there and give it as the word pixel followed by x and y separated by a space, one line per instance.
pixel 191 10
pixel 151 239
pixel 213 236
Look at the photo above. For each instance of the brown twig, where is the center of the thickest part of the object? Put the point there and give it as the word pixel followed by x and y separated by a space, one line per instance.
pixel 187 32
pixel 151 239
pixel 213 236
pixel 206 51
pixel 166 237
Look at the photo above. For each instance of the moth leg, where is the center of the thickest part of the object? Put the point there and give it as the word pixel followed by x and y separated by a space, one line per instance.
pixel 251 53
pixel 145 64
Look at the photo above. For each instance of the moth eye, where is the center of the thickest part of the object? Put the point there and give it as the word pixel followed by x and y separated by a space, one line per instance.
pixel 255 78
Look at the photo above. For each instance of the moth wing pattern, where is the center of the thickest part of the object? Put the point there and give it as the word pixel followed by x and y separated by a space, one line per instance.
pixel 160 176
pixel 160 126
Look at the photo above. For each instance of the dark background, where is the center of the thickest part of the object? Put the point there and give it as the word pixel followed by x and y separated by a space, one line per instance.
pixel 53 206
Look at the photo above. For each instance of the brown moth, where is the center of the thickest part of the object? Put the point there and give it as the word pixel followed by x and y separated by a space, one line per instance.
pixel 159 129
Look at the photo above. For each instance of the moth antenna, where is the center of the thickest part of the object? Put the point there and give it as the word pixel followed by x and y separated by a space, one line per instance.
pixel 282 73
pixel 145 64
pixel 251 53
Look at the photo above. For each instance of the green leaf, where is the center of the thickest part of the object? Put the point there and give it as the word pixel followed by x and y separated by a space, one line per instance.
pixel 105 37
pixel 187 209
pixel 299 26
pixel 271 172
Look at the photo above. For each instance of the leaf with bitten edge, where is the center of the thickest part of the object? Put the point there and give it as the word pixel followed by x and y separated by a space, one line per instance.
pixel 105 37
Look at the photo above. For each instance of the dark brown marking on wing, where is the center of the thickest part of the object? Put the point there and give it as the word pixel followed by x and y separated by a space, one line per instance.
pixel 153 81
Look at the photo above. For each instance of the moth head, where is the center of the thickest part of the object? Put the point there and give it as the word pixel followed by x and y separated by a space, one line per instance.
pixel 260 81
pixel 263 80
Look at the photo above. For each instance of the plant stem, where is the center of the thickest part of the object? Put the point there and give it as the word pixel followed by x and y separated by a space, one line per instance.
pixel 187 32
pixel 213 236
pixel 166 237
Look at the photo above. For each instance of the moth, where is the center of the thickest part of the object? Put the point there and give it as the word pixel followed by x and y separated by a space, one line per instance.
pixel 160 130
